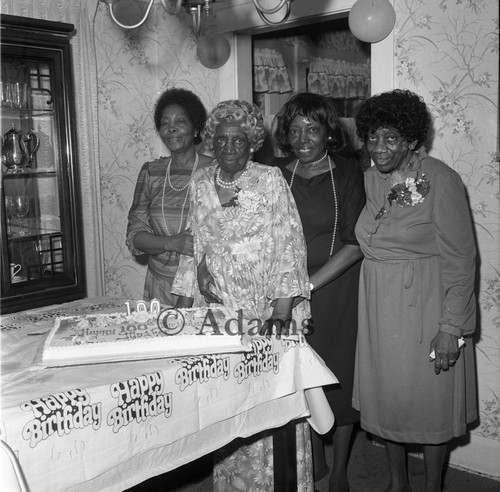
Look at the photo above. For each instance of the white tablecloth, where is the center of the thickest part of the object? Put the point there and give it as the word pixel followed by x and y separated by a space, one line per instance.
pixel 107 427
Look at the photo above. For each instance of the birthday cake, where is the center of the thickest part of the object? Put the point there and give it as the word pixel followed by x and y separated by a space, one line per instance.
pixel 110 337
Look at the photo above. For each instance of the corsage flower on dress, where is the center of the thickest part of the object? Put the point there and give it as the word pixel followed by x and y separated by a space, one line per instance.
pixel 244 214
pixel 406 191
pixel 250 201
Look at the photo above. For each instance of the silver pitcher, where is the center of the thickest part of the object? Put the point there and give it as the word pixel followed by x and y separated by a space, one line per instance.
pixel 18 150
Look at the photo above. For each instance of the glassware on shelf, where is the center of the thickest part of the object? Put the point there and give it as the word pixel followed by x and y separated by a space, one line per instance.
pixel 20 95
pixel 6 94
pixel 9 209
pixel 21 209
pixel 14 94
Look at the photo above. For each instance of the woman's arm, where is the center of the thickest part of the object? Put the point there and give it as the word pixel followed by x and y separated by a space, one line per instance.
pixel 280 319
pixel 337 265
pixel 283 308
pixel 456 244
pixel 141 237
pixel 184 302
pixel 152 244
pixel 205 281
pixel 353 199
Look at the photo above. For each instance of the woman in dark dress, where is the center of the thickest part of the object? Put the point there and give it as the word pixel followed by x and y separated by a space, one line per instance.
pixel 329 193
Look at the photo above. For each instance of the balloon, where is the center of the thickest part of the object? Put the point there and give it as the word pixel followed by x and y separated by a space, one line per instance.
pixel 371 20
pixel 213 51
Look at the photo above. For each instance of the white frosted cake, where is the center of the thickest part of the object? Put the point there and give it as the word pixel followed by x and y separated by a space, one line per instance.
pixel 93 338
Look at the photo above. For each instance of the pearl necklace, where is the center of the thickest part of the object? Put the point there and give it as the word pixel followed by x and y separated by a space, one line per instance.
pixel 228 185
pixel 167 178
pixel 318 161
pixel 334 199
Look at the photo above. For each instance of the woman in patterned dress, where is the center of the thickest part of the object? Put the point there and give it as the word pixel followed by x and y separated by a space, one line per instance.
pixel 416 291
pixel 248 233
pixel 158 216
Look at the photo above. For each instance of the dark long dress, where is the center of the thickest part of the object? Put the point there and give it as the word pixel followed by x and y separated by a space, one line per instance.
pixel 334 306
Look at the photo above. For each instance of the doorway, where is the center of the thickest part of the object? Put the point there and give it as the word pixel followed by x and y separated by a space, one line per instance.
pixel 323 58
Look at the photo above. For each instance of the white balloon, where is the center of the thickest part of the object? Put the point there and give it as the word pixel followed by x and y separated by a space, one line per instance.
pixel 372 20
pixel 213 51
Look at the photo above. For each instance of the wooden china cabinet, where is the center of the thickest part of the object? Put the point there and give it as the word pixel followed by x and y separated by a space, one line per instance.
pixel 41 225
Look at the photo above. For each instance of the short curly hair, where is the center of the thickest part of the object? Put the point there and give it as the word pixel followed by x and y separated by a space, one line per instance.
pixel 399 109
pixel 314 107
pixel 190 102
pixel 235 111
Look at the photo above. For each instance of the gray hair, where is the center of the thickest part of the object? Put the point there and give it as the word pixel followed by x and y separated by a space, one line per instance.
pixel 236 111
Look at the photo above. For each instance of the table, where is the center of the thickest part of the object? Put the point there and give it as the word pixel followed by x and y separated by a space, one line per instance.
pixel 107 427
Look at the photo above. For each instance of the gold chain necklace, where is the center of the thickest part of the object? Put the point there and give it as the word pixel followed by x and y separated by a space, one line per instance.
pixel 334 199
pixel 167 178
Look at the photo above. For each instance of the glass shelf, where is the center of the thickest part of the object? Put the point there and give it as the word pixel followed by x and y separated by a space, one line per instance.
pixel 31 173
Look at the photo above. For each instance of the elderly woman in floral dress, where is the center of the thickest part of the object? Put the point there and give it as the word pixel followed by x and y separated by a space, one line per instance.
pixel 248 235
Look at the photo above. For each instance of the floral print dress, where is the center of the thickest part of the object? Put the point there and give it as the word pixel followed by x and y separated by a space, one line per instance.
pixel 256 252
pixel 255 249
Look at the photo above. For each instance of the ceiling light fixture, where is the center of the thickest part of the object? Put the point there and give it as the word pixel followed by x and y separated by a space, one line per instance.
pixel 199 9
pixel 262 11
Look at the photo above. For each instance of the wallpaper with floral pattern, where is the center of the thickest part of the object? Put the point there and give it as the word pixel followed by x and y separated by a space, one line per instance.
pixel 447 51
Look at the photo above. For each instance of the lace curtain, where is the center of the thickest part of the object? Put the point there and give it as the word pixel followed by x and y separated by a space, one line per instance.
pixel 269 72
pixel 339 79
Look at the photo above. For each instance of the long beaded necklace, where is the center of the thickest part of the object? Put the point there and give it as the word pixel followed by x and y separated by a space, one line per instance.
pixel 167 178
pixel 334 197
pixel 228 185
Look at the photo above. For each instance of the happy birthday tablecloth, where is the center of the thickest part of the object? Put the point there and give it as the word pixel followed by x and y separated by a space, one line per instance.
pixel 110 426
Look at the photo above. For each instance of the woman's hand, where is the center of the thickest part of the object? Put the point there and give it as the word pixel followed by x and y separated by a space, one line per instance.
pixel 182 243
pixel 205 280
pixel 296 301
pixel 446 350
pixel 184 302
pixel 280 320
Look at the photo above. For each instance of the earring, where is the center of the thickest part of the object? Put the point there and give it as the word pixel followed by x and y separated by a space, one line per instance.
pixel 251 150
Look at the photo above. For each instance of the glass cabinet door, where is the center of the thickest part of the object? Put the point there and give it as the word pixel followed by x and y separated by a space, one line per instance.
pixel 42 254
